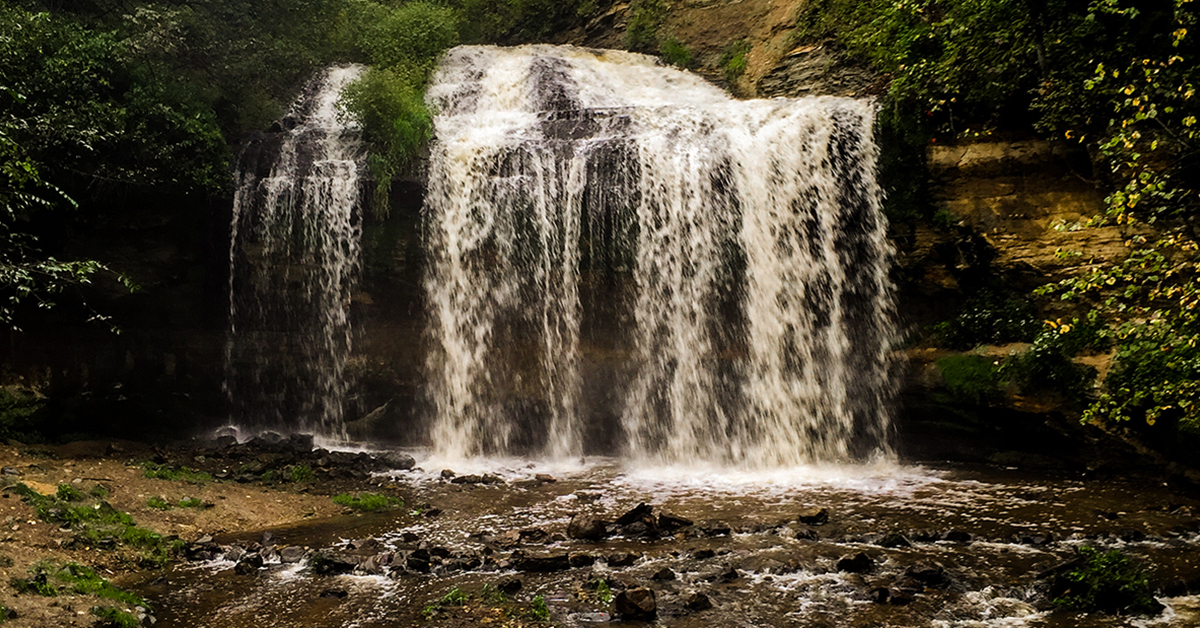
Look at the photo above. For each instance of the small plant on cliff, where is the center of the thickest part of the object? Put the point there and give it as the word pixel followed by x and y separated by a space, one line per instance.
pixel 300 473
pixel 675 53
pixel 538 611
pixel 367 502
pixel 645 18
pixel 1106 582
pixel 733 60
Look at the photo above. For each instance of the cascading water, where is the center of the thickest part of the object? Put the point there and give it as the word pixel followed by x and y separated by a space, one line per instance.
pixel 760 317
pixel 294 257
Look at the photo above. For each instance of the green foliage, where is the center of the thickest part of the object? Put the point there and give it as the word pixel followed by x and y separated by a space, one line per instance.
pixel 972 378
pixel 454 597
pixel 1047 365
pixel 733 60
pixel 676 53
pixel 410 36
pixel 19 409
pixel 191 502
pixel 68 493
pixel 157 471
pixel 1106 582
pixel 390 105
pixel 300 473
pixel 367 502
pixel 48 578
pixel 538 611
pixel 110 617
pixel 99 492
pixel 268 476
pixel 989 317
pixel 1155 377
pixel 645 19
pixel 158 503
pixel 519 21
pixel 492 595
pixel 603 591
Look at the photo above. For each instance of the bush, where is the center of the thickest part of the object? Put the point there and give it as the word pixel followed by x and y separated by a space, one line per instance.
pixel 972 378
pixel 412 35
pixel 733 60
pixel 645 18
pixel 676 53
pixel 989 317
pixel 1047 366
pixel 1155 378
pixel 1105 582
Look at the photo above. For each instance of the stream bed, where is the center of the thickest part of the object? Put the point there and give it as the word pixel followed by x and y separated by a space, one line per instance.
pixel 876 545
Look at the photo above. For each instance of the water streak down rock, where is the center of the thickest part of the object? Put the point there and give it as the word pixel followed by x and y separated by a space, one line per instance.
pixel 294 257
pixel 760 316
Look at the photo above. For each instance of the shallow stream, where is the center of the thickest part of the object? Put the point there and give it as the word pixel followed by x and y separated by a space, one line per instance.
pixel 985 534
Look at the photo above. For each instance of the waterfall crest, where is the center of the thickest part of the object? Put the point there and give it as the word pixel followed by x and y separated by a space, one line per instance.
pixel 760 317
pixel 294 257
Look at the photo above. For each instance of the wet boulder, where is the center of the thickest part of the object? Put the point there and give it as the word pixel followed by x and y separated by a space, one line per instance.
pixel 927 575
pixel 396 460
pixel 249 564
pixel 586 528
pixel 328 562
pixel 419 560
pixel 813 516
pixel 856 563
pixel 638 603
pixel 292 554
pixel 669 524
pixel 622 559
pixel 545 563
pixel 698 602
pixel 663 574
pixel 639 513
pixel 509 585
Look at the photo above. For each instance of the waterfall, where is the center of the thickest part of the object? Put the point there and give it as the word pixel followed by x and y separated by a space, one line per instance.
pixel 757 317
pixel 293 258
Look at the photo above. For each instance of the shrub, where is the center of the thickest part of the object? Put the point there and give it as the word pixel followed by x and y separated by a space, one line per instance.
pixel 1106 582
pixel 411 35
pixel 1155 377
pixel 972 378
pixel 300 473
pixel 733 60
pixel 68 493
pixel 989 317
pixel 1047 365
pixel 538 611
pixel 676 53
pixel 645 18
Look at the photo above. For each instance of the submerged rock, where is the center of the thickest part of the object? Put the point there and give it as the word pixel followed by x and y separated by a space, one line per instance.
pixel 636 604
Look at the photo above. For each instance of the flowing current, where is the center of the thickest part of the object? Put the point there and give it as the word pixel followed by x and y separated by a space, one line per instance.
pixel 736 248
pixel 294 257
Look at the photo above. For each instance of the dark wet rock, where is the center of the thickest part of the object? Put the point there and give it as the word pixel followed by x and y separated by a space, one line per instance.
pixel 396 460
pixel 419 561
pixel 765 564
pixel 728 574
pixel 663 574
pixel 957 536
pixel 234 553
pixel 669 523
pixel 646 529
pixel 899 597
pixel 703 554
pixel 585 497
pixel 328 562
pixel 698 602
pixel 509 585
pixel 374 565
pixel 438 552
pixel 545 563
pixel 225 442
pixel 1131 536
pixel 813 516
pixel 339 594
pixel 268 438
pixel 639 513
pixel 544 478
pixel 622 559
pixel 11 471
pixel 448 474
pixel 486 478
pixel 409 537
pixel 879 595
pixel 249 564
pixel 581 560
pixel 292 554
pixel 636 604
pixel 366 546
pixel 932 576
pixel 856 563
pixel 300 443
pixel 465 562
pixel 430 513
pixel 807 534
pixel 586 528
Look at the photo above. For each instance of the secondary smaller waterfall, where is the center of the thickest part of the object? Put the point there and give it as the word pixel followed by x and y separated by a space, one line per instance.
pixel 758 321
pixel 294 258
